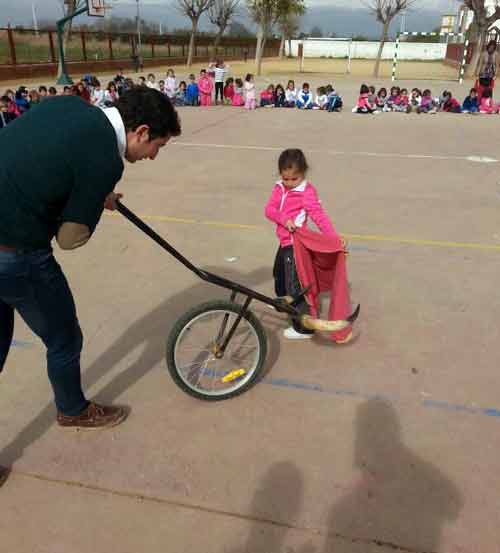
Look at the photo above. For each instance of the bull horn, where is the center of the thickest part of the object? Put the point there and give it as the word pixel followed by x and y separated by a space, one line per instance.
pixel 322 325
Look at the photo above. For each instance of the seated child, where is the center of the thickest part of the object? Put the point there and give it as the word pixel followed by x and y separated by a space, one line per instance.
pixel 402 104
pixel 293 201
pixel 6 117
pixel 471 103
pixel 393 98
pixel 449 104
pixel 427 104
pixel 305 97
pixel 381 99
pixel 372 95
pixel 487 106
pixel 238 99
pixel 279 97
pixel 334 100
pixel 267 97
pixel 415 99
pixel 321 98
pixel 192 92
pixel 229 90
pixel 290 95
pixel 364 104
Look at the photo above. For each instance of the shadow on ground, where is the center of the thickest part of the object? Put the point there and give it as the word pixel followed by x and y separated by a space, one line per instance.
pixel 151 333
pixel 399 502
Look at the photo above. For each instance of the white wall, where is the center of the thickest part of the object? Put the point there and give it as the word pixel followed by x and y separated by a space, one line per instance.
pixel 368 50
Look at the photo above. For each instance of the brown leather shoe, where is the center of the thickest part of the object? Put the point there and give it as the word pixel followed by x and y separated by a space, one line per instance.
pixel 94 417
pixel 4 475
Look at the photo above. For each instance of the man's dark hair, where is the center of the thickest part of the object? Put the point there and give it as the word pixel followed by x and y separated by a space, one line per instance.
pixel 147 106
pixel 292 158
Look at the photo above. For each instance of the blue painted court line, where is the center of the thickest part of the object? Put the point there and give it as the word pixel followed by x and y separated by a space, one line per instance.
pixel 427 403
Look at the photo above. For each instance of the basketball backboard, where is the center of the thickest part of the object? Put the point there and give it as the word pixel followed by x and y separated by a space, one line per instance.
pixel 96 8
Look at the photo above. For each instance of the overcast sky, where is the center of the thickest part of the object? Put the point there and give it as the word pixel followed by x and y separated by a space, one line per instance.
pixel 344 17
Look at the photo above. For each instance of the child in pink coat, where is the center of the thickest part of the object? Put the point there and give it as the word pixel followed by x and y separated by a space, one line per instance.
pixel 205 86
pixel 487 105
pixel 292 202
pixel 238 94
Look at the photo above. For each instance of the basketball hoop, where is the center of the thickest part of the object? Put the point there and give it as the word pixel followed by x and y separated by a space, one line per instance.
pixel 96 8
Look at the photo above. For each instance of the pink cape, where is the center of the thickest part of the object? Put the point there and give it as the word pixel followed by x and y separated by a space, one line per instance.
pixel 321 264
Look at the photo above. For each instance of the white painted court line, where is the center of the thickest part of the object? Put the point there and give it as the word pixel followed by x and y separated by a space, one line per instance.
pixel 471 159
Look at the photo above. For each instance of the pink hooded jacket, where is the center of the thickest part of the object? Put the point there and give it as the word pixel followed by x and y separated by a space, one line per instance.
pixel 296 204
pixel 205 85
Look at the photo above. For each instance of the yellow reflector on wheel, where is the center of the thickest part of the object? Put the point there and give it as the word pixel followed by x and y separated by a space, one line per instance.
pixel 233 375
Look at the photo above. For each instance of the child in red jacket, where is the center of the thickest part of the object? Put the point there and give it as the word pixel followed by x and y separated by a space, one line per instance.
pixel 292 202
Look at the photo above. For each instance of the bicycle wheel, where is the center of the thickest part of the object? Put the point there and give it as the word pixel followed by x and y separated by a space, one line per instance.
pixel 193 358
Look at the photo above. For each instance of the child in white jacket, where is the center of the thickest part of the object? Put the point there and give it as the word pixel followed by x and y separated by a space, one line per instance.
pixel 290 95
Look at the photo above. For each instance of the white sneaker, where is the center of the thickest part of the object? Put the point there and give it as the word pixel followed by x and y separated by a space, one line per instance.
pixel 291 334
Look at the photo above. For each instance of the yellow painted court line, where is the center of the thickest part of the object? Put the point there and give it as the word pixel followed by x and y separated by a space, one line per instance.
pixel 356 237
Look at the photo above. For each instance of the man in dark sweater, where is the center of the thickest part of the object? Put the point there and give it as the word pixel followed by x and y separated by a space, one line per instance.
pixel 57 187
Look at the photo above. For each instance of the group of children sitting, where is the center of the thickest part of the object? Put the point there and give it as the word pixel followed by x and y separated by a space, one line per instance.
pixel 400 100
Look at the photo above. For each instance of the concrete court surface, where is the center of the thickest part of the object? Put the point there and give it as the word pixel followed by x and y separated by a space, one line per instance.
pixel 388 444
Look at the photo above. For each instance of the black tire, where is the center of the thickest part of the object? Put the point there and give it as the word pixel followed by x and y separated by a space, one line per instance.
pixel 180 325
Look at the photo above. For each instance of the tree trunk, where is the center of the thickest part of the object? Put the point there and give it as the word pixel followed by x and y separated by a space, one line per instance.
pixel 475 63
pixel 282 46
pixel 261 54
pixel 383 40
pixel 194 28
pixel 218 38
pixel 289 47
pixel 260 36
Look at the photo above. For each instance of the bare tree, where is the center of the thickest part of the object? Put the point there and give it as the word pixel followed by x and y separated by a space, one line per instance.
pixel 385 11
pixel 193 9
pixel 288 21
pixel 289 27
pixel 266 14
pixel 221 13
pixel 482 23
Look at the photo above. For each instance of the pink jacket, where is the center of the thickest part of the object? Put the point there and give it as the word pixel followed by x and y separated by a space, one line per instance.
pixel 296 204
pixel 364 102
pixel 205 85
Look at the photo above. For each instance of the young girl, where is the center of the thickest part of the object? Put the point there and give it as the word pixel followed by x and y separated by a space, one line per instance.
pixel 290 95
pixel 393 98
pixel 321 98
pixel 220 71
pixel 364 104
pixel 229 91
pixel 487 106
pixel 279 97
pixel 249 92
pixel 292 202
pixel 111 94
pixel 151 82
pixel 381 99
pixel 171 84
pixel 334 100
pixel 415 99
pixel 267 97
pixel 238 100
pixel 427 104
pixel 205 86
pixel 98 95
pixel 403 103
pixel 449 104
pixel 180 97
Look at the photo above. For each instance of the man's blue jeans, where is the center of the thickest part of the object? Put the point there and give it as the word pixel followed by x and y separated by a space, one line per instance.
pixel 33 284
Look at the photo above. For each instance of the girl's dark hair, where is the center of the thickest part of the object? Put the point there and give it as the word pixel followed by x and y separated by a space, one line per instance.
pixel 290 82
pixel 292 159
pixel 111 84
pixel 280 86
pixel 384 90
pixel 147 106
pixel 42 89
pixel 248 78
pixel 446 93
pixel 203 71
pixel 403 90
pixel 372 89
pixel 52 90
pixel 473 90
pixel 229 81
pixel 239 83
pixel 397 89
pixel 487 93
pixel 183 83
pixel 304 85
pixel 322 90
pixel 426 92
pixel 364 89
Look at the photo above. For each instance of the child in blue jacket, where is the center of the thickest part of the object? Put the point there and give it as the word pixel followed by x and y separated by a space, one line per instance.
pixel 192 92
pixel 471 103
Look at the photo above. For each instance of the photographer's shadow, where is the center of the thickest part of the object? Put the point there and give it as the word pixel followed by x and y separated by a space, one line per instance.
pixel 399 500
